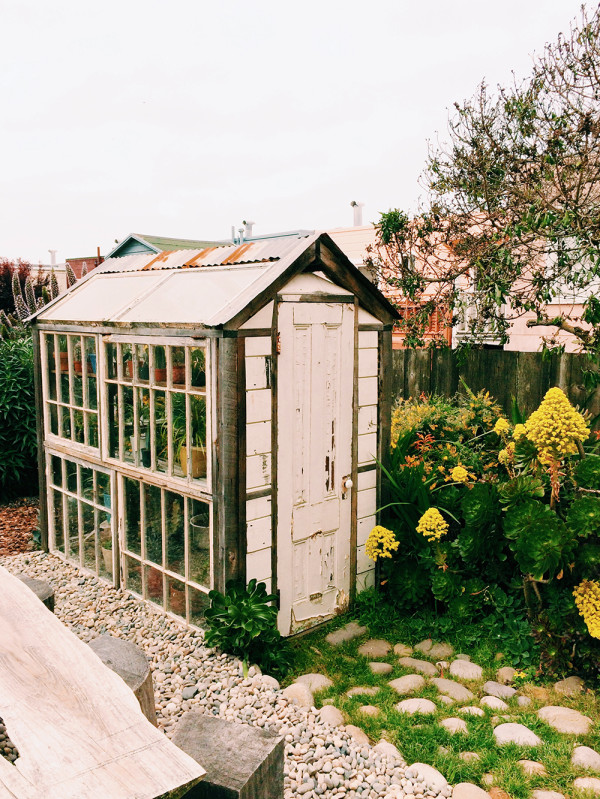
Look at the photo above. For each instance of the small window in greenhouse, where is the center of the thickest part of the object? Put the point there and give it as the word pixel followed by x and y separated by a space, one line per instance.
pixel 71 388
pixel 167 548
pixel 157 408
pixel 81 526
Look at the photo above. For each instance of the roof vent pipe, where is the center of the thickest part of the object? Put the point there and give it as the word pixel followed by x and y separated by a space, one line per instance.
pixel 357 212
pixel 241 232
pixel 248 229
pixel 233 233
pixel 52 257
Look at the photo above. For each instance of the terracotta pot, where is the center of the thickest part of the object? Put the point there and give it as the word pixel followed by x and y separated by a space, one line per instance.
pixel 78 366
pixel 177 600
pixel 64 361
pixel 108 563
pixel 179 374
pixel 129 368
pixel 160 375
pixel 155 582
pixel 198 461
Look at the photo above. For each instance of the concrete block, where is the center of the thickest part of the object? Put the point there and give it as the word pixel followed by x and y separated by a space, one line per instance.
pixel 241 762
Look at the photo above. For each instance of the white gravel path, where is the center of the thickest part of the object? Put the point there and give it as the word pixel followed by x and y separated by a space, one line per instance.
pixel 320 760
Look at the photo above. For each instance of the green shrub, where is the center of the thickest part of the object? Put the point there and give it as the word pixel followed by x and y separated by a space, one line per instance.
pixel 18 441
pixel 243 622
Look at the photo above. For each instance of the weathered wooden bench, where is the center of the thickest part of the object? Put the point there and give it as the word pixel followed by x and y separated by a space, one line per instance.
pixel 78 728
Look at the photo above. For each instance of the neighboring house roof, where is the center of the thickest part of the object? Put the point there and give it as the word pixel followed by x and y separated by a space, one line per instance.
pixel 139 243
pixel 202 287
pixel 354 241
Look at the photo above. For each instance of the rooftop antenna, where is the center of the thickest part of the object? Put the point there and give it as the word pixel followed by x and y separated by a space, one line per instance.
pixel 357 212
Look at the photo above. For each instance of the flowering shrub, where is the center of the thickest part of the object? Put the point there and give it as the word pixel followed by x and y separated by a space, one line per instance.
pixel 381 543
pixel 556 427
pixel 432 525
pixel 587 599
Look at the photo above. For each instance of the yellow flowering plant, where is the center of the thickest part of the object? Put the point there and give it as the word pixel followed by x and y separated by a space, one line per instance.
pixel 381 543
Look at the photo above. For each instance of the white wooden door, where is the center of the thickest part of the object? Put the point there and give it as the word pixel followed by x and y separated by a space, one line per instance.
pixel 314 406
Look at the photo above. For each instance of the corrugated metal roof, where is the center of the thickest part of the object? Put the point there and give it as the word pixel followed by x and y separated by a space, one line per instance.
pixel 249 252
pixel 165 243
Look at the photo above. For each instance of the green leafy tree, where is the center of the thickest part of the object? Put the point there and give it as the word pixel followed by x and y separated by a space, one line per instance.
pixel 512 217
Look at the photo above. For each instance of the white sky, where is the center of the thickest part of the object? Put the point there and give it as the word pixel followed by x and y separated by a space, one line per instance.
pixel 182 118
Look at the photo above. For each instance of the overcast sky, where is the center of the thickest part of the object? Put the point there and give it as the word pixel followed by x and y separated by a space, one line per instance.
pixel 183 118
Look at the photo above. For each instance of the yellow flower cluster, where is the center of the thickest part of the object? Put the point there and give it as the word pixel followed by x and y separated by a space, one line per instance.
pixel 556 427
pixel 501 426
pixel 587 599
pixel 381 543
pixel 519 432
pixel 506 456
pixel 459 474
pixel 432 525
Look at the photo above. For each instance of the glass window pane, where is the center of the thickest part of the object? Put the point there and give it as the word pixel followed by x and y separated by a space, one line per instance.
pixel 111 361
pixel 103 489
pixel 53 419
pixel 126 362
pixel 59 536
pixel 144 426
pixel 160 365
pixel 174 517
pixel 143 364
pixel 89 535
pixel 56 470
pixel 199 603
pixel 73 528
pixel 176 597
pixel 128 424
pixel 132 516
pixel 71 476
pixel 199 542
pixel 198 435
pixel 105 565
pixel 87 483
pixel 78 426
pixel 153 524
pixel 178 366
pixel 92 420
pixel 154 584
pixel 198 367
pixel 179 434
pixel 133 575
pixel 89 345
pixel 51 367
pixel 113 420
pixel 65 417
pixel 160 431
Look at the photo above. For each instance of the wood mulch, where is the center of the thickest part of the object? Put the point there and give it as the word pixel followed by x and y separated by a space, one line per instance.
pixel 18 520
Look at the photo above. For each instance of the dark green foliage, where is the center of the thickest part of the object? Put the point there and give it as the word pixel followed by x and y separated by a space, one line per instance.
pixel 520 489
pixel 243 622
pixel 539 538
pixel 18 441
pixel 583 517
pixel 587 472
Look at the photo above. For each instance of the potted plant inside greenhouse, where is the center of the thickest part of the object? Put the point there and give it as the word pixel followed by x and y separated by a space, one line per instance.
pixel 197 448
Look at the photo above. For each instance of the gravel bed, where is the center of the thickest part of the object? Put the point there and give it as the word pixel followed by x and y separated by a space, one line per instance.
pixel 320 760
pixel 7 748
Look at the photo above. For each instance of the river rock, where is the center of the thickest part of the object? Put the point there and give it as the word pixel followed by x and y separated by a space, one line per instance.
pixel 591 784
pixel 374 648
pixel 407 684
pixel 363 690
pixel 586 757
pixel 388 749
pixel 539 794
pixel 469 757
pixel 369 710
pixel 411 706
pixel 315 682
pixel 422 666
pixel 566 720
pixel 515 734
pixel 331 715
pixel 440 651
pixel 454 725
pixel 347 633
pixel 424 646
pixel 381 668
pixel 402 650
pixel 357 734
pixel 496 689
pixel 465 670
pixel 493 702
pixel 471 711
pixel 466 790
pixel 523 701
pixel 427 774
pixel 505 675
pixel 453 689
pixel 532 767
pixel 572 686
pixel 299 694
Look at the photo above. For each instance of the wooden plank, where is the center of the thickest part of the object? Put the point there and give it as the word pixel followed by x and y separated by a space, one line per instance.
pixel 444 373
pixel 78 728
pixel 354 469
pixel 274 445
pixel 418 373
pixel 41 458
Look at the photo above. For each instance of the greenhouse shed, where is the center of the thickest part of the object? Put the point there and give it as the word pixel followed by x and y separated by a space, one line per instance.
pixel 215 414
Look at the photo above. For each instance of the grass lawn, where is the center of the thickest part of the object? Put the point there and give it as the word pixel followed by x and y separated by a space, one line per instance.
pixel 420 738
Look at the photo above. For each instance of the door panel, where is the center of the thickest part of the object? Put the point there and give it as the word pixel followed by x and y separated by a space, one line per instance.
pixel 315 407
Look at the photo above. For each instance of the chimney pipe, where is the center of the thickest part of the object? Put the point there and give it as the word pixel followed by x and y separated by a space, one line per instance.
pixel 248 229
pixel 357 212
pixel 52 257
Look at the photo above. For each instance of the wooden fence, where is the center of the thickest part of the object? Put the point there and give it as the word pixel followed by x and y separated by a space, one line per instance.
pixel 526 376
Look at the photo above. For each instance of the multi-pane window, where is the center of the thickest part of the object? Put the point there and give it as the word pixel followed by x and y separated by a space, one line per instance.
pixel 80 514
pixel 157 407
pixel 71 387
pixel 166 548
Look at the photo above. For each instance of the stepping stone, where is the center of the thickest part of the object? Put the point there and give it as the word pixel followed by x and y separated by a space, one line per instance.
pixel 462 656
pixel 347 633
pixel 453 689
pixel 369 710
pixel 497 793
pixel 471 711
pixel 446 700
pixel 586 757
pixel 402 650
pixel 363 690
pixel 591 784
pixel 427 774
pixel 469 757
pixel 440 651
pixel 331 715
pixel 454 725
pixel 516 734
pixel 506 675
pixel 407 684
pixel 465 670
pixel 488 779
pixel 532 767
pixel 523 701
pixel 357 734
pixel 547 795
pixel 419 665
pixel 493 702
pixel 424 646
pixel 268 682
pixel 572 686
pixel 466 790
pixel 315 682
pixel 381 668
pixel 565 720
pixel 411 706
pixel 299 694
pixel 536 692
pixel 388 749
pixel 375 648
pixel 501 691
